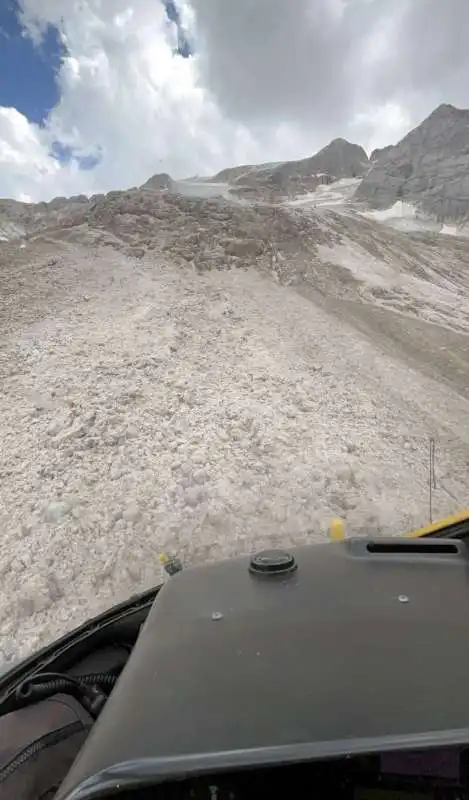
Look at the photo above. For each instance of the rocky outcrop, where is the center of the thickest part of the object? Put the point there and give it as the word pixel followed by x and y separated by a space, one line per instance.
pixel 231 174
pixel 18 220
pixel 208 234
pixel 340 159
pixel 380 152
pixel 160 181
pixel 428 168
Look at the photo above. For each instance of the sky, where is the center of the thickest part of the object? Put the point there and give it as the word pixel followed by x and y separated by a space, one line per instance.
pixel 98 95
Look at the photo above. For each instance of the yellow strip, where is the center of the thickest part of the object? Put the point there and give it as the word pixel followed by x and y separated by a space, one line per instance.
pixel 460 516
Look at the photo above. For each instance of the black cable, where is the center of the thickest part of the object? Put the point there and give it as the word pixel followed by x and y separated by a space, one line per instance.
pixel 87 689
pixel 57 680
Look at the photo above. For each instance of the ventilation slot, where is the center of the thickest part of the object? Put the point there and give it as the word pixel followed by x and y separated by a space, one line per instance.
pixel 414 548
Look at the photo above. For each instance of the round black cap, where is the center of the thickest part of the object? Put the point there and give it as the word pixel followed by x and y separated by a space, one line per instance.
pixel 272 562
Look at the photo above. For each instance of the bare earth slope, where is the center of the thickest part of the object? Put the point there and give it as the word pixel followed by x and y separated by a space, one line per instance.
pixel 206 379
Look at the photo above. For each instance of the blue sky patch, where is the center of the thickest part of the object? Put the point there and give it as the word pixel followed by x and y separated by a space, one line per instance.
pixel 184 47
pixel 27 73
pixel 61 152
pixel 88 162
pixel 65 154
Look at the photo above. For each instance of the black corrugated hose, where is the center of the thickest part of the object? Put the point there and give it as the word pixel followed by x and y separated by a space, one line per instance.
pixel 90 690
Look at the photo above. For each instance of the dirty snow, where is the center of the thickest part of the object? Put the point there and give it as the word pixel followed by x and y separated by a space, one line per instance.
pixel 145 408
pixel 8 230
pixel 333 194
pixel 202 189
pixel 406 217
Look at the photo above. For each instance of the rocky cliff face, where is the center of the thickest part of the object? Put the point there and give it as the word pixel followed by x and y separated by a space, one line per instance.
pixel 18 220
pixel 429 168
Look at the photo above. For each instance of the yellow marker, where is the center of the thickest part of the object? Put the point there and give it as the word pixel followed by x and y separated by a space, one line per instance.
pixel 337 530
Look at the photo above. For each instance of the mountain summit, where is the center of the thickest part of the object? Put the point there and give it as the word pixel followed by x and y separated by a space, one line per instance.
pixel 341 159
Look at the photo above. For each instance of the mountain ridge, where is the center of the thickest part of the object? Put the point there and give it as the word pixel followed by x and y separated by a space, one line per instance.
pixel 428 169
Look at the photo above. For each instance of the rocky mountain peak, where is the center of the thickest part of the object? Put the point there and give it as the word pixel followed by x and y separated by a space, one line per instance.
pixel 343 145
pixel 340 159
pixel 428 168
pixel 339 141
pixel 159 181
pixel 447 110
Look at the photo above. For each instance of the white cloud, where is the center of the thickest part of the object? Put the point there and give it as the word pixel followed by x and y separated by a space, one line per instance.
pixel 124 94
pixel 123 91
pixel 26 169
pixel 384 125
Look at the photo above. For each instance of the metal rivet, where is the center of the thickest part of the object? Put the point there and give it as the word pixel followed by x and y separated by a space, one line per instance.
pixel 403 598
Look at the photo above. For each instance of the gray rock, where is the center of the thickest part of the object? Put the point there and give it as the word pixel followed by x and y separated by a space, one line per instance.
pixel 380 152
pixel 340 159
pixel 131 513
pixel 160 181
pixel 199 476
pixel 56 511
pixel 193 496
pixel 428 168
